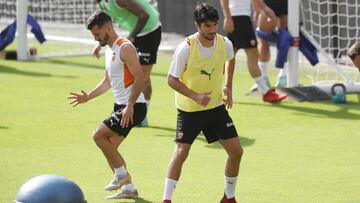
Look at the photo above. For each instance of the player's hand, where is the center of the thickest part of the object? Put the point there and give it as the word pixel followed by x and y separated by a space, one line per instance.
pixel 228 97
pixel 228 25
pixel 203 98
pixel 96 51
pixel 78 98
pixel 127 116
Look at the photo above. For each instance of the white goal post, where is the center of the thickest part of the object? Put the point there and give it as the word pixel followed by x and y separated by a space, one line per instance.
pixel 21 24
pixel 331 26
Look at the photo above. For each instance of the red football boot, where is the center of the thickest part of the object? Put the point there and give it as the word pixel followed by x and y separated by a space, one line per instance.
pixel 272 96
pixel 226 200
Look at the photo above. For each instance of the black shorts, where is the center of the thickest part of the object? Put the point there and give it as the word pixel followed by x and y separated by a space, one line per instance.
pixel 214 123
pixel 243 35
pixel 147 46
pixel 280 7
pixel 113 121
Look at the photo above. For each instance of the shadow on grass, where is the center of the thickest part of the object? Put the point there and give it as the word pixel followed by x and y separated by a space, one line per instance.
pixel 137 200
pixel 342 113
pixel 245 142
pixel 216 145
pixel 161 128
pixel 3 127
pixel 82 65
pixel 159 74
pixel 12 70
pixel 70 63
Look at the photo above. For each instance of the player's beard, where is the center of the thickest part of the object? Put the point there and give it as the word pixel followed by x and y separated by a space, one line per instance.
pixel 105 40
pixel 209 36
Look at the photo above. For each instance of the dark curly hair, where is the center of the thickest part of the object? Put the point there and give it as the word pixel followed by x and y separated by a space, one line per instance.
pixel 204 12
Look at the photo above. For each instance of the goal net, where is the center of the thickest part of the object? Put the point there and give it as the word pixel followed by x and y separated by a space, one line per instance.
pixel 332 26
pixel 62 22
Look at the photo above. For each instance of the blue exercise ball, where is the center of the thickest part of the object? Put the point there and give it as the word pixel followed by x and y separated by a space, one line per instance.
pixel 50 189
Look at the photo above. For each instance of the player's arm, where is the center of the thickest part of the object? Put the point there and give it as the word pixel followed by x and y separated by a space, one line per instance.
pixel 83 97
pixel 129 56
pixel 177 67
pixel 229 73
pixel 228 22
pixel 201 98
pixel 137 10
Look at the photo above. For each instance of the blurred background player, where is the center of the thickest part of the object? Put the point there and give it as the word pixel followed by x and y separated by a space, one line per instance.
pixel 354 54
pixel 239 28
pixel 142 22
pixel 196 74
pixel 124 76
pixel 266 24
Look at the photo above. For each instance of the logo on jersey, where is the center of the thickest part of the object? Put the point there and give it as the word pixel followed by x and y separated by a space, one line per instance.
pixel 113 57
pixel 203 72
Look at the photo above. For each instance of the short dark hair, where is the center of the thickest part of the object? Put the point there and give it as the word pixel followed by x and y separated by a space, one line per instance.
pixel 204 12
pixel 98 18
pixel 354 50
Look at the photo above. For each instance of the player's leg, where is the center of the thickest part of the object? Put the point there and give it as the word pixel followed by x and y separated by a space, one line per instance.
pixel 282 76
pixel 234 151
pixel 174 169
pixel 102 135
pixel 220 127
pixel 180 154
pixel 189 125
pixel 147 47
pixel 128 190
pixel 108 136
pixel 247 40
pixel 261 82
pixel 116 141
pixel 265 24
pixel 268 94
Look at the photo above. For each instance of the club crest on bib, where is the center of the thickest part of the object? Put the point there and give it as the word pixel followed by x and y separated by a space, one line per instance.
pixel 179 135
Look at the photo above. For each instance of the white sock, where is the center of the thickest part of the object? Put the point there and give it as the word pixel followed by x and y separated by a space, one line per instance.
pixel 230 184
pixel 263 68
pixel 129 187
pixel 169 188
pixel 120 171
pixel 282 71
pixel 261 83
pixel 147 103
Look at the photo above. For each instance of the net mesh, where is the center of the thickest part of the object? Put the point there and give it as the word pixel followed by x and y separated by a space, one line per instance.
pixel 334 25
pixel 62 21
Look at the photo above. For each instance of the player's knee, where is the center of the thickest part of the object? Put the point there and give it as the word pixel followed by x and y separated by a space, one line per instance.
pixel 181 153
pixel 97 136
pixel 236 155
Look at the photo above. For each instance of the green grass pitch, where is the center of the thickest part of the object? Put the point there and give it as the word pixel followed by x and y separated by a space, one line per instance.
pixel 295 152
